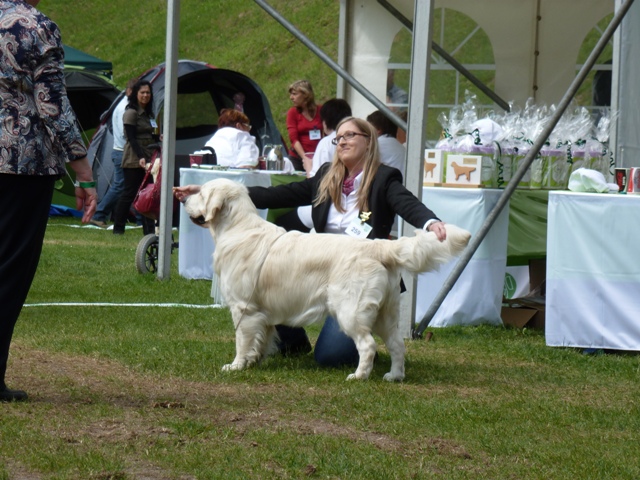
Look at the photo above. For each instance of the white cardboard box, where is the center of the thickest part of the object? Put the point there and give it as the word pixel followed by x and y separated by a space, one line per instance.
pixel 463 170
pixel 433 166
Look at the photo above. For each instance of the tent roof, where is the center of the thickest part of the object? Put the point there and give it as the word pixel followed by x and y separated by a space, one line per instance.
pixel 90 95
pixel 75 57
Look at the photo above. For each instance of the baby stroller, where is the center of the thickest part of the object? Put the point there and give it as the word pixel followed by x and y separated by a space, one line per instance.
pixel 147 203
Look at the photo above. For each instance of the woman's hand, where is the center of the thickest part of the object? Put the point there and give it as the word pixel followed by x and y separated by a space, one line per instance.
pixel 307 163
pixel 86 198
pixel 181 193
pixel 439 229
pixel 143 163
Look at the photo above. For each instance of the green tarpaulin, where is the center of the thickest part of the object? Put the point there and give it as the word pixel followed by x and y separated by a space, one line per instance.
pixel 77 58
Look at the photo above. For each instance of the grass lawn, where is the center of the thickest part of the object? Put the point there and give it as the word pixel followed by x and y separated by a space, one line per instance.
pixel 136 392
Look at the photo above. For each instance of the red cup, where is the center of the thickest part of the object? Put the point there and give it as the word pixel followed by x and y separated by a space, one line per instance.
pixel 621 178
pixel 195 160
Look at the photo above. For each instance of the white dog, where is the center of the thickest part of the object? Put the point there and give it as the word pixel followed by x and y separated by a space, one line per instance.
pixel 270 277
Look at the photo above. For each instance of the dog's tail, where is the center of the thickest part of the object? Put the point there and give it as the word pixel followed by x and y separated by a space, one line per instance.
pixel 423 252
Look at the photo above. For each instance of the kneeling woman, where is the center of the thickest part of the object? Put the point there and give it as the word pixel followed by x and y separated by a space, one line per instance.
pixel 354 187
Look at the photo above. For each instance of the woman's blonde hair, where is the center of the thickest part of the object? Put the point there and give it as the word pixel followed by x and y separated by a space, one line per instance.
pixel 331 183
pixel 304 87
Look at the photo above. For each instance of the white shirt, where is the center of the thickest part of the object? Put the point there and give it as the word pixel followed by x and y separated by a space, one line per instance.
pixel 234 148
pixel 117 125
pixel 324 153
pixel 392 152
pixel 338 222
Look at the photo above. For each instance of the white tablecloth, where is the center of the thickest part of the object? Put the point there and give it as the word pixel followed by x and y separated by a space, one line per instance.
pixel 195 252
pixel 476 298
pixel 593 271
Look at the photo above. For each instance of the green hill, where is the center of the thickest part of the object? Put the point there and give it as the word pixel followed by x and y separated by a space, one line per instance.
pixel 233 34
pixel 239 35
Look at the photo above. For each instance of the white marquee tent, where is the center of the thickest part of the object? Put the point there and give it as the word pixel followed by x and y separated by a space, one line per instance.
pixel 535 45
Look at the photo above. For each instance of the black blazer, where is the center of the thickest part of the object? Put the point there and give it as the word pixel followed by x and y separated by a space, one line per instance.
pixel 387 197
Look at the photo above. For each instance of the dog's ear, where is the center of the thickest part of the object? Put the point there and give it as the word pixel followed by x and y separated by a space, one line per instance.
pixel 214 204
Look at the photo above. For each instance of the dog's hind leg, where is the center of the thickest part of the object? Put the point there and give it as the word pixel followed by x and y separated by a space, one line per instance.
pixel 355 322
pixel 395 345
pixel 387 327
pixel 355 307
pixel 366 345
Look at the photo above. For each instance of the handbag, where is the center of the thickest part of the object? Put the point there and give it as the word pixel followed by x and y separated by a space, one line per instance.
pixel 147 201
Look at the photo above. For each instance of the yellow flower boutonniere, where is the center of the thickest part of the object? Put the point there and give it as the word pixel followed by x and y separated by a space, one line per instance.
pixel 364 216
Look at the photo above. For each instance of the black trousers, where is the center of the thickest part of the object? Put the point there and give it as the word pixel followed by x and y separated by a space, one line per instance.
pixel 133 178
pixel 24 211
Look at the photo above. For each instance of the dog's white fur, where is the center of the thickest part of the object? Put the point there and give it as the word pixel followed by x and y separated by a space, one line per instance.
pixel 269 277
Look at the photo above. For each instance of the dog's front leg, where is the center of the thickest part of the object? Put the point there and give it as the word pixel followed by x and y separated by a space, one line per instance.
pixel 251 336
pixel 366 346
pixel 240 361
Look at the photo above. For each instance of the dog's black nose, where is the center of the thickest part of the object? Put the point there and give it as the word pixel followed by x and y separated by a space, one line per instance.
pixel 199 220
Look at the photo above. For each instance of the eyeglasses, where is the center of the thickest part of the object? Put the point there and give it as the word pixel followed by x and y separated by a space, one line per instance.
pixel 347 136
pixel 246 125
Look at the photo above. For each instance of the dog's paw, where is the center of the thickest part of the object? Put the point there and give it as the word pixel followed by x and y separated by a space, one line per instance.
pixel 354 376
pixel 389 377
pixel 231 367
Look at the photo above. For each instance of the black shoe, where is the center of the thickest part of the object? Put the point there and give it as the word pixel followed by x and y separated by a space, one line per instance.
pixel 293 341
pixel 7 395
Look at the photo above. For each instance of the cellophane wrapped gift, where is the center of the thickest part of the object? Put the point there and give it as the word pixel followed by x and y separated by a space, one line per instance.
pixel 597 148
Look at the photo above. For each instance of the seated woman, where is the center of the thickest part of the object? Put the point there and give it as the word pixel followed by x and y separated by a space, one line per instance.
pixel 232 143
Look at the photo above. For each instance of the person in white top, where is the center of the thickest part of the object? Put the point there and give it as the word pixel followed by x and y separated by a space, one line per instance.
pixel 110 198
pixel 331 113
pixel 392 152
pixel 233 144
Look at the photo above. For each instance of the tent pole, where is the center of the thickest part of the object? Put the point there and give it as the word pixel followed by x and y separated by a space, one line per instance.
pixel 169 137
pixel 416 136
pixel 508 191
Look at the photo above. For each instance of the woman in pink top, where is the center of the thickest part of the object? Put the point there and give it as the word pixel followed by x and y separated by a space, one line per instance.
pixel 303 124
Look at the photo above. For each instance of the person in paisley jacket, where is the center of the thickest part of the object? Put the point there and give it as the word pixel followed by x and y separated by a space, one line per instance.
pixel 38 135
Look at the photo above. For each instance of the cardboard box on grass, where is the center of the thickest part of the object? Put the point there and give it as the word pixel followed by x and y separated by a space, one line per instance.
pixel 524 312
pixel 463 170
pixel 528 311
pixel 433 167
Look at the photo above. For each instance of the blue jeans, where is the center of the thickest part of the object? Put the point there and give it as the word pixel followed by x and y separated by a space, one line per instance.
pixel 110 199
pixel 334 348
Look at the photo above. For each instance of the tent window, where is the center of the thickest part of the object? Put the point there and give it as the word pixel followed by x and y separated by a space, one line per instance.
pixel 462 38
pixel 196 109
pixel 596 89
